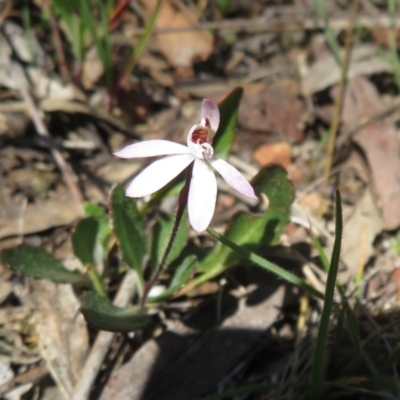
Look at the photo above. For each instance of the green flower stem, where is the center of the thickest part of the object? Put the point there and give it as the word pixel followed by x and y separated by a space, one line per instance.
pixel 96 281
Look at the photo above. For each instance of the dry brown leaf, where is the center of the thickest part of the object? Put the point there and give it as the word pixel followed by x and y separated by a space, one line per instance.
pixel 6 372
pixel 312 202
pixel 380 144
pixel 273 153
pixel 44 85
pixel 179 48
pixel 92 68
pixel 117 171
pixel 22 219
pixel 274 107
pixel 362 224
pixel 26 47
pixel 364 60
pixel 18 392
pixel 158 69
pixel 63 337
pixel 381 36
pixel 284 109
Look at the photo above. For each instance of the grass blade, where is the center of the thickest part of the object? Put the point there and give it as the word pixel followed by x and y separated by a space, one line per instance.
pixel 317 374
pixel 263 263
pixel 321 252
pixel 137 51
pixel 330 34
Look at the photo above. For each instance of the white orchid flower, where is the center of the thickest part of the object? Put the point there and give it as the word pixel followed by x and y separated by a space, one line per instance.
pixel 199 151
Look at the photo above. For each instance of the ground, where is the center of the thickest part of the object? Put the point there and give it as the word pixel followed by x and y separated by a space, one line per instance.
pixel 317 83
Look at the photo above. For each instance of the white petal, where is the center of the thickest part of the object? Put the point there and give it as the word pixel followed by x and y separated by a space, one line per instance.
pixel 151 148
pixel 158 174
pixel 210 110
pixel 202 196
pixel 233 177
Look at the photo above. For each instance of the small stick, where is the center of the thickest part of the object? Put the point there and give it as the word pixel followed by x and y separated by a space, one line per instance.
pixel 103 341
pixel 276 25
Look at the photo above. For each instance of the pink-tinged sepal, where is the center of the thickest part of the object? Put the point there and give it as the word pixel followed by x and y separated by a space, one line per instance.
pixel 209 115
pixel 233 177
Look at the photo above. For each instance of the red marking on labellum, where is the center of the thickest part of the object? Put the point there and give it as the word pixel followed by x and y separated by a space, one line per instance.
pixel 200 135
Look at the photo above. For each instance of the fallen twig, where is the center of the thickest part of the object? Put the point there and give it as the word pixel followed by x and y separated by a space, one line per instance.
pixel 103 342
pixel 280 24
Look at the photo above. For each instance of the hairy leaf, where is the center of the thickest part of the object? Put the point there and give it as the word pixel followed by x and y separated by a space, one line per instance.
pixel 38 263
pixel 102 314
pixel 129 228
pixel 84 239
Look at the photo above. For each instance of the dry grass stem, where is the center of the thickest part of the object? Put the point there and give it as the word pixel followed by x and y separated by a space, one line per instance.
pixel 339 104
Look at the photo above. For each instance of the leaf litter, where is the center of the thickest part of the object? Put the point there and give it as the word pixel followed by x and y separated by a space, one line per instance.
pixel 289 85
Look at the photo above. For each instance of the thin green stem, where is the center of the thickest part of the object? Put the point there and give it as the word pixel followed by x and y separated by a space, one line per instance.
pixel 182 203
pixel 96 281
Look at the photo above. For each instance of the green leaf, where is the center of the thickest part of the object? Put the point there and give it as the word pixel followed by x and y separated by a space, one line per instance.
pixel 322 255
pixel 101 37
pixel 160 236
pixel 38 263
pixel 223 5
pixel 106 44
pixel 67 11
pixel 228 109
pixel 129 228
pixel 102 314
pixel 251 231
pixel 104 231
pixel 141 45
pixel 266 229
pixel 181 275
pixel 84 240
pixel 318 366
